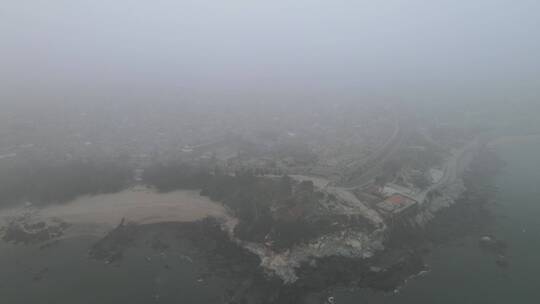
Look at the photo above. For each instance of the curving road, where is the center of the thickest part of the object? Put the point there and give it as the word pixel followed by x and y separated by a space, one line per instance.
pixel 373 164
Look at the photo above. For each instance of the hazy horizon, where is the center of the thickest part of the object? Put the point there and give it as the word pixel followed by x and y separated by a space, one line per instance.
pixel 254 51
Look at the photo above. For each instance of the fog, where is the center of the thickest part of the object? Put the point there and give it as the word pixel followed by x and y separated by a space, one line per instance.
pixel 269 51
pixel 269 152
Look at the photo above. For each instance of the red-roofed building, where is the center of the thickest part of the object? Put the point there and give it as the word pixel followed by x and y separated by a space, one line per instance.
pixel 396 203
pixel 397 199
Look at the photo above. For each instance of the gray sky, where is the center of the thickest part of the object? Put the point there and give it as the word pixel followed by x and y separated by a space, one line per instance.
pixel 428 50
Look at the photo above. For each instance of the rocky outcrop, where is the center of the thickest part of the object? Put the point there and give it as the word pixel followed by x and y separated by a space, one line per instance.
pixel 29 228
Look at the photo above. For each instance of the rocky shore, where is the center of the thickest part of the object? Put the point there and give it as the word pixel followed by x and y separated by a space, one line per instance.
pixel 208 244
pixel 386 271
pixel 27 229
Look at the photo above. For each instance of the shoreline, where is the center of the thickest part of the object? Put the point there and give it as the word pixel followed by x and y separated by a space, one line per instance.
pixel 387 271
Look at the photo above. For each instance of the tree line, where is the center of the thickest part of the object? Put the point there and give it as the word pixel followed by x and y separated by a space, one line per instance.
pixel 41 182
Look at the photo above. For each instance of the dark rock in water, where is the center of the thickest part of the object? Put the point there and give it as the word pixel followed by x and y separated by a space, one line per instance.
pixel 393 276
pixel 502 262
pixel 110 249
pixel 24 230
pixel 486 242
pixel 39 275
pixel 426 250
pixel 493 245
pixel 115 256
